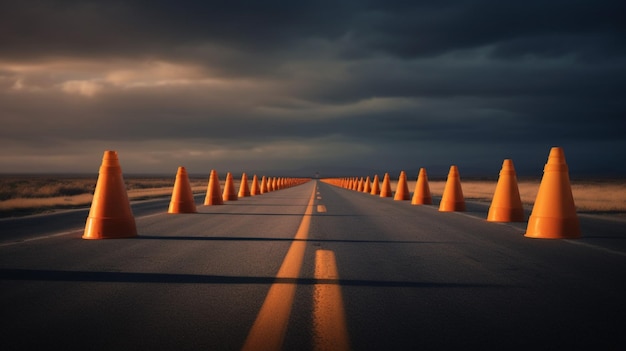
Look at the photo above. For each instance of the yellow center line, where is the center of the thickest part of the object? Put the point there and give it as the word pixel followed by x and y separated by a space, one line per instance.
pixel 270 326
pixel 329 318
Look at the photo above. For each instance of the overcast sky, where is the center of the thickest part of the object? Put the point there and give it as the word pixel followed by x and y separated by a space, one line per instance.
pixel 295 87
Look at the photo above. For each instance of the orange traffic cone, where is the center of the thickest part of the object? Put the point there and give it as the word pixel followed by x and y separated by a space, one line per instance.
pixel 367 187
pixel 506 205
pixel 110 215
pixel 452 199
pixel 385 190
pixel 402 189
pixel 554 213
pixel 244 190
pixel 421 195
pixel 229 189
pixel 264 185
pixel 375 185
pixel 182 198
pixel 255 189
pixel 360 185
pixel 214 192
pixel 352 185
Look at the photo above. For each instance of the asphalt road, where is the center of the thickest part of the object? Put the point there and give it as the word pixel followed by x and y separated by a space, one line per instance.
pixel 311 267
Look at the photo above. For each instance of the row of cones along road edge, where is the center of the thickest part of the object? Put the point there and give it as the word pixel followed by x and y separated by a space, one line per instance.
pixel 553 215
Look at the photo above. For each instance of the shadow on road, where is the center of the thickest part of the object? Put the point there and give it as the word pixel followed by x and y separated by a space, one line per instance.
pixel 166 278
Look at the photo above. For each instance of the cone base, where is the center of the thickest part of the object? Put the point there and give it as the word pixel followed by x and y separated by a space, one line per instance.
pixel 109 228
pixel 402 197
pixel 502 214
pixel 182 207
pixel 422 201
pixel 452 207
pixel 553 228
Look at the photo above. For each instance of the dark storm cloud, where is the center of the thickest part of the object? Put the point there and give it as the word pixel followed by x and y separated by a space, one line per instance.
pixel 516 28
pixel 406 29
pixel 443 81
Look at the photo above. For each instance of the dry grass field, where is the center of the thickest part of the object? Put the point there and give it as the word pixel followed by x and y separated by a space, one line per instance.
pixel 23 195
pixel 589 196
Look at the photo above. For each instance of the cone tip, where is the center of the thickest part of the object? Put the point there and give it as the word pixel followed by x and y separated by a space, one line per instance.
pixel 110 155
pixel 507 164
pixel 557 155
pixel 110 160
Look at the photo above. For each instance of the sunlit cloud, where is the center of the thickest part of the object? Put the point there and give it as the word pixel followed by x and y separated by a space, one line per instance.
pixel 89 78
pixel 81 87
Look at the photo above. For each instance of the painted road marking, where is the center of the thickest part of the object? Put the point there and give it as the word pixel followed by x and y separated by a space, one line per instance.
pixel 69 232
pixel 329 319
pixel 270 326
pixel 321 208
pixel 20 241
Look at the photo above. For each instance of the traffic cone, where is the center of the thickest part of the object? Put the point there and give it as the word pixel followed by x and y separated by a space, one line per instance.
pixel 367 187
pixel 421 195
pixel 360 185
pixel 255 189
pixel 244 189
pixel 385 190
pixel 214 192
pixel 554 213
pixel 264 185
pixel 229 193
pixel 402 189
pixel 452 199
pixel 506 205
pixel 182 197
pixel 110 215
pixel 375 185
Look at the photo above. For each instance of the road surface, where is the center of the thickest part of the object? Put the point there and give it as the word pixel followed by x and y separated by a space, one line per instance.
pixel 311 267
